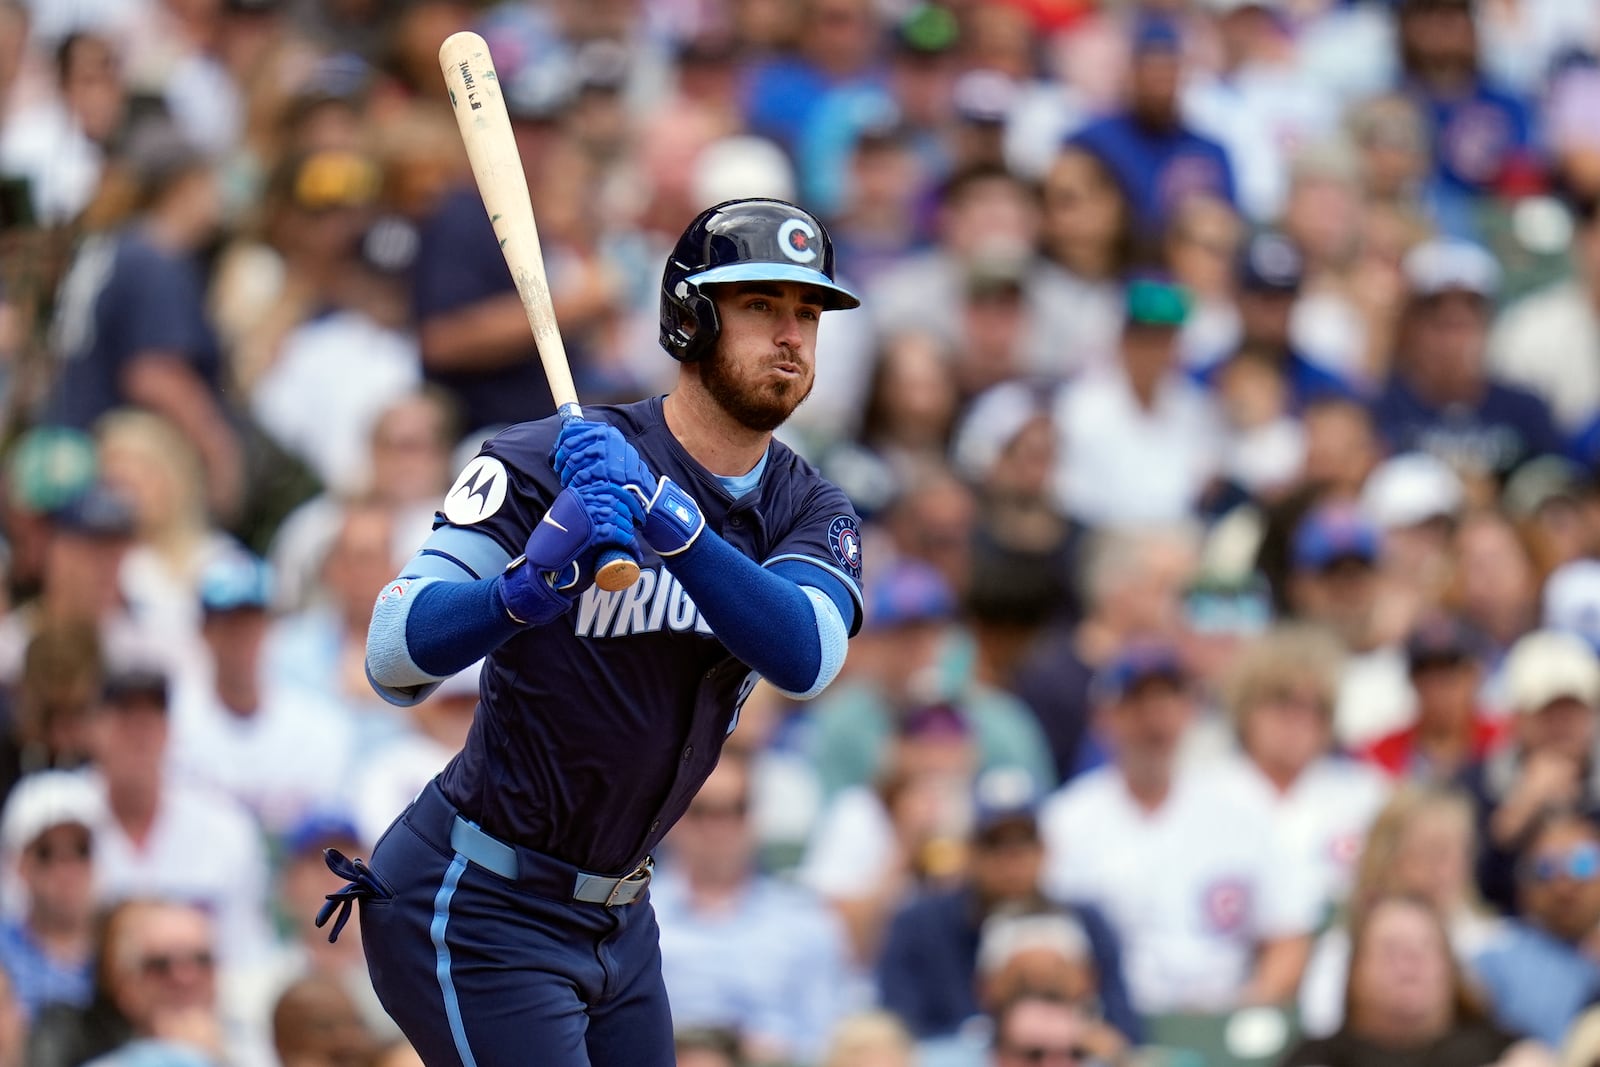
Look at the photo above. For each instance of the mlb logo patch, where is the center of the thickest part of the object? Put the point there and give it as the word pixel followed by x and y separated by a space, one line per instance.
pixel 844 541
pixel 1226 905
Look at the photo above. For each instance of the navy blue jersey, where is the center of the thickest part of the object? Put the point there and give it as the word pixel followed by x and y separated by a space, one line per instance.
pixel 595 731
pixel 125 296
pixel 459 264
pixel 1507 427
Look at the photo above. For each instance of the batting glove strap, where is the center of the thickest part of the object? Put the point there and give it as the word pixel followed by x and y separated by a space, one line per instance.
pixel 673 520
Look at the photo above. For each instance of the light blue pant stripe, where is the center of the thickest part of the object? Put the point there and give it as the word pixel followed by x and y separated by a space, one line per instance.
pixel 441 919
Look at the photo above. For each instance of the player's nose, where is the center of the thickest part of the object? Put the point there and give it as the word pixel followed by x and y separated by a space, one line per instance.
pixel 788 329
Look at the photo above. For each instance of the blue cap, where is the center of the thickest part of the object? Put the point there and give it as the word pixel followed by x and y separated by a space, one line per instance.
pixel 1333 533
pixel 235 581
pixel 1003 796
pixel 1133 665
pixel 1270 263
pixel 95 512
pixel 908 592
pixel 1156 34
pixel 318 829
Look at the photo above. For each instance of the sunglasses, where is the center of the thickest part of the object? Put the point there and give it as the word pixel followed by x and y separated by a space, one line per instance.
pixel 1041 1054
pixel 736 810
pixel 166 964
pixel 1580 864
pixel 77 851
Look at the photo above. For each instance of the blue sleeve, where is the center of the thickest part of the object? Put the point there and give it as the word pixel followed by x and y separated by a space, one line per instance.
pixel 452 625
pixel 823 550
pixel 762 617
pixel 161 307
pixel 1115 1003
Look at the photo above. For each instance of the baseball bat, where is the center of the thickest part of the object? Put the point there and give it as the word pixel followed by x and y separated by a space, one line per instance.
pixel 480 110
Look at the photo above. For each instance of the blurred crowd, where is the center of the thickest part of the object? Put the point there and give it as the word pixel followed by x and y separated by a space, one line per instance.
pixel 1224 415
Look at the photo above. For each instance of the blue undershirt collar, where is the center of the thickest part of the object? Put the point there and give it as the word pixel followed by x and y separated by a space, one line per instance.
pixel 742 484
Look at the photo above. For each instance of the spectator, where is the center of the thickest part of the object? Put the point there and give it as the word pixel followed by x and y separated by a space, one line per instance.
pixel 1037 1028
pixel 1140 442
pixel 48 830
pixel 1271 272
pixel 1539 974
pixel 155 991
pixel 243 734
pixel 712 1047
pixel 1549 342
pixel 928 973
pixel 89 537
pixel 59 686
pixel 1281 697
pixel 739 949
pixel 1157 159
pixel 1087 241
pixel 1209 922
pixel 59 148
pixel 906 661
pixel 391 773
pixel 1553 688
pixel 1420 845
pixel 870 1039
pixel 315 1024
pixel 131 322
pixel 1415 499
pixel 146 844
pixel 1451 732
pixel 1408 1000
pixel 1132 582
pixel 1481 134
pixel 1498 587
pixel 1439 397
pixel 1334 584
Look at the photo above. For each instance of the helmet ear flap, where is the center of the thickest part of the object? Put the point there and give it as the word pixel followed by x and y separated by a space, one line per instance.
pixel 697 327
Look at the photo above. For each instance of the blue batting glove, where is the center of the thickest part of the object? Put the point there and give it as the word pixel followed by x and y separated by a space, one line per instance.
pixel 588 452
pixel 556 565
pixel 595 454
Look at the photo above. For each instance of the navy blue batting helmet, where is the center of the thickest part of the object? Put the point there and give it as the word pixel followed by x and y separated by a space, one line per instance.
pixel 741 241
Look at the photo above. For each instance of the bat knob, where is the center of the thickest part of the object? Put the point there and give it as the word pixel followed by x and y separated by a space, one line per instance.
pixel 616 570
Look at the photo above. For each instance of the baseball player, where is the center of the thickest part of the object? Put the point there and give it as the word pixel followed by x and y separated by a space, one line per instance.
pixel 505 914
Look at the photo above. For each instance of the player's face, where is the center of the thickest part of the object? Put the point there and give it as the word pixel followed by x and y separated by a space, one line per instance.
pixel 764 362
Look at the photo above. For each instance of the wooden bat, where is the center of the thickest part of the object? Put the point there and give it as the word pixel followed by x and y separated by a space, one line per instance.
pixel 480 109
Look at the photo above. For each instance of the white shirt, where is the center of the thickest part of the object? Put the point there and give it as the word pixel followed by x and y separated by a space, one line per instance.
pixel 283 762
pixel 1193 889
pixel 391 779
pixel 1123 465
pixel 1549 343
pixel 203 848
pixel 774 964
pixel 1375 697
pixel 332 379
pixel 851 848
pixel 62 166
pixel 1324 816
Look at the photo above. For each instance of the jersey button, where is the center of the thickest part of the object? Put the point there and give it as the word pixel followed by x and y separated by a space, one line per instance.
pixel 688 754
pixel 736 522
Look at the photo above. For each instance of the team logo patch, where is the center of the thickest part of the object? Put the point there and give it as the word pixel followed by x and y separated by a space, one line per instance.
pixel 1226 904
pixel 844 540
pixel 478 493
pixel 798 240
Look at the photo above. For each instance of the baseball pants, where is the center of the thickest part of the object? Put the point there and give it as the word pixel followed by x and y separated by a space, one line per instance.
pixel 484 970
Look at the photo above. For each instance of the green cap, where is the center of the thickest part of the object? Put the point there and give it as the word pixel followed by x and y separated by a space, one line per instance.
pixel 50 466
pixel 1151 302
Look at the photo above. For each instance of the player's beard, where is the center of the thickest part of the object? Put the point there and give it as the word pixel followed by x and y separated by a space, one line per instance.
pixel 761 407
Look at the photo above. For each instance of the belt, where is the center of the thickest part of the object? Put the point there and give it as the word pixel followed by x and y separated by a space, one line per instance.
pixel 436 819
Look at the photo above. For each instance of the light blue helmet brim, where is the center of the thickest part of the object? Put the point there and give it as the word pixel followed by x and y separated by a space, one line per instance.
pixel 778 272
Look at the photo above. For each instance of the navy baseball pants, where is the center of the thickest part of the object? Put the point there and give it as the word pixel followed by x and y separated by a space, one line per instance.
pixel 482 970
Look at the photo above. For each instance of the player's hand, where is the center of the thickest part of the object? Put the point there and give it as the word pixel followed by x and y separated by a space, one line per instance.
pixel 557 564
pixel 589 454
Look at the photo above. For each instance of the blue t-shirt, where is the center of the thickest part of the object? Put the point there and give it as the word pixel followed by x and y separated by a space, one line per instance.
pixel 459 264
pixel 37 979
pixel 1475 136
pixel 927 971
pixel 1158 169
pixel 1506 427
pixel 595 731
pixel 122 297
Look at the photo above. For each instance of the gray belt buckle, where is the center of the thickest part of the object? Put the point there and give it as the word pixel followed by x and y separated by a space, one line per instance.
pixel 637 880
